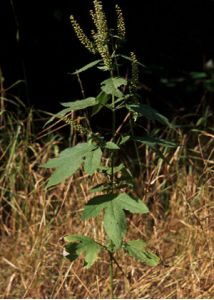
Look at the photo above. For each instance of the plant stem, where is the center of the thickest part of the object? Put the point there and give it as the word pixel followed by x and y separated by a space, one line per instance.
pixel 112 186
pixel 111 274
pixel 113 135
pixel 135 146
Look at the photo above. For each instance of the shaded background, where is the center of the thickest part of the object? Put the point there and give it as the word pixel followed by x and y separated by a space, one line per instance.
pixel 39 46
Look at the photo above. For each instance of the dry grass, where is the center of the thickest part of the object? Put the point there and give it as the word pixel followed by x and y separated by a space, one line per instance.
pixel 180 226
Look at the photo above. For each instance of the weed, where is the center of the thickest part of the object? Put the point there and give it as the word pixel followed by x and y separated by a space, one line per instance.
pixel 99 153
pixel 179 195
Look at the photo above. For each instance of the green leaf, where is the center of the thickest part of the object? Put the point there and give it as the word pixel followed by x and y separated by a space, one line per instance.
pixel 101 187
pixel 68 162
pixel 124 139
pixel 115 223
pixel 114 218
pixel 108 170
pixel 86 67
pixel 64 171
pixel 209 85
pixel 149 113
pixel 131 60
pixel 172 82
pixel 110 86
pixel 118 104
pixel 198 75
pixel 102 100
pixel 71 251
pixel 59 115
pixel 152 141
pixel 95 205
pixel 80 104
pixel 137 249
pixel 78 244
pixel 131 204
pixel 72 106
pixel 112 146
pixel 93 161
pixel 80 150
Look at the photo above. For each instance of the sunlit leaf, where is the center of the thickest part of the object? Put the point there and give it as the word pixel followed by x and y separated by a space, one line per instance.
pixel 115 223
pixel 95 205
pixel 68 162
pixel 72 106
pixel 102 99
pixel 112 146
pixel 80 104
pixel 134 205
pixel 59 115
pixel 114 216
pixel 88 66
pixel 81 245
pixel 124 139
pixel 111 86
pixel 137 249
pixel 93 161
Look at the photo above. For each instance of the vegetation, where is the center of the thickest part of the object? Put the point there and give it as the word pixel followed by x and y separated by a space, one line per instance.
pixel 126 171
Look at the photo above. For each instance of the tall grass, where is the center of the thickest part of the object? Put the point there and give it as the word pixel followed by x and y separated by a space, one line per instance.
pixel 181 223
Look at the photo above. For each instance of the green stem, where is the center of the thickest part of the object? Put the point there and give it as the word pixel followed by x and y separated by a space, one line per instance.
pixel 112 186
pixel 113 134
pixel 135 146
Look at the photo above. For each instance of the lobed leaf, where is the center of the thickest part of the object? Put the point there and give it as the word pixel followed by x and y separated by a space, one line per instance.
pixel 95 205
pixel 93 161
pixel 110 86
pixel 124 201
pixel 66 170
pixel 115 223
pixel 78 244
pixel 68 162
pixel 137 249
pixel 114 216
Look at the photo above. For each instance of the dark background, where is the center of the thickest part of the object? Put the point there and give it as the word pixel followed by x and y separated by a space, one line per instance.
pixel 177 36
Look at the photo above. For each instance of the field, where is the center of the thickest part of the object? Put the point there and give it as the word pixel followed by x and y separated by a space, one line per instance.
pixel 34 220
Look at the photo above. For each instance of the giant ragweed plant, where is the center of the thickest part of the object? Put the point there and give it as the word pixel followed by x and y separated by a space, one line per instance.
pixel 98 152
